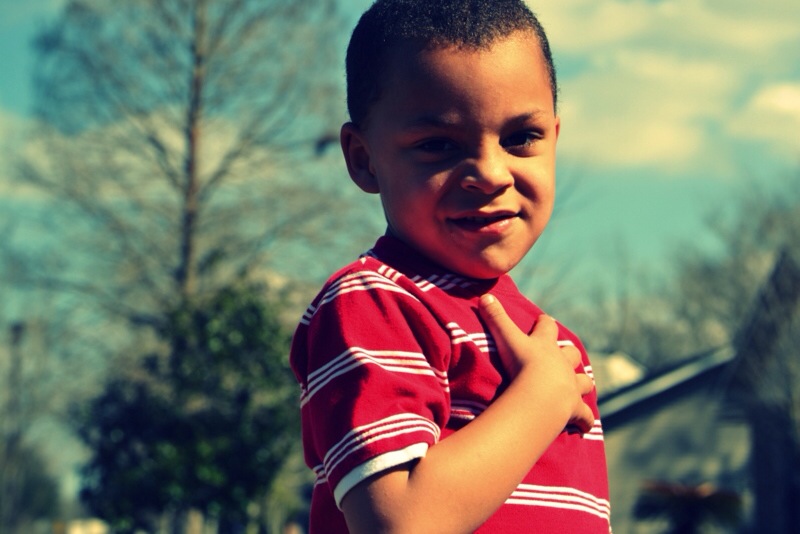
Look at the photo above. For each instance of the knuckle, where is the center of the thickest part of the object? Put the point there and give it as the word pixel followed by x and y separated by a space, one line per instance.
pixel 492 310
pixel 546 320
pixel 495 311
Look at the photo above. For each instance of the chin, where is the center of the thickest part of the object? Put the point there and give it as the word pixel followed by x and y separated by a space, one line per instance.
pixel 485 271
pixel 483 264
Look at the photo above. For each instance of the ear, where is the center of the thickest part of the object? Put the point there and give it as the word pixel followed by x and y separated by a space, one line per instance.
pixel 357 156
pixel 558 126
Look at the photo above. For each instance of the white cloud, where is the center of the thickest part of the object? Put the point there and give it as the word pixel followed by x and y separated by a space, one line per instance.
pixel 661 83
pixel 579 26
pixel 7 121
pixel 772 115
pixel 112 146
pixel 642 108
pixel 783 99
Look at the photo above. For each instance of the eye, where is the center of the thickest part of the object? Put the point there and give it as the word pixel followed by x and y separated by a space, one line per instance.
pixel 522 140
pixel 436 145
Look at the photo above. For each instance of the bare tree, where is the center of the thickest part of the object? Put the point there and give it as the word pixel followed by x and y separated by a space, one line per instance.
pixel 43 364
pixel 702 305
pixel 179 146
pixel 765 384
pixel 27 488
pixel 179 139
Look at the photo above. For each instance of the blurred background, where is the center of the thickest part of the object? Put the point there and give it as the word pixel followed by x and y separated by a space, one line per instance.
pixel 172 196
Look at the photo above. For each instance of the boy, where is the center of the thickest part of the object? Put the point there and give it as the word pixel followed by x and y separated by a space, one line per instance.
pixel 425 406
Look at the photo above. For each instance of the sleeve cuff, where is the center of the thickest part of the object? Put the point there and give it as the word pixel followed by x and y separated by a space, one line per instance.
pixel 376 465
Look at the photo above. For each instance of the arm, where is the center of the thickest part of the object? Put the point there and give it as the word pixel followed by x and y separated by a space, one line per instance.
pixel 463 479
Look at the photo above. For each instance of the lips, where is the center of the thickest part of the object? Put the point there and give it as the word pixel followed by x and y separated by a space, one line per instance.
pixel 484 223
pixel 485 220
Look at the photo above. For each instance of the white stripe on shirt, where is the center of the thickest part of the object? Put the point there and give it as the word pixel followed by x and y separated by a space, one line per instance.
pixel 387 428
pixel 354 357
pixel 560 497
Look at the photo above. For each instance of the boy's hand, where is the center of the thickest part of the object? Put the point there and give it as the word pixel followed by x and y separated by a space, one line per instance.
pixel 539 352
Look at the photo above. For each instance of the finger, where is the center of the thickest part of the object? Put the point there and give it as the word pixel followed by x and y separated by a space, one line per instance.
pixel 573 356
pixel 545 327
pixel 585 383
pixel 502 328
pixel 493 312
pixel 584 419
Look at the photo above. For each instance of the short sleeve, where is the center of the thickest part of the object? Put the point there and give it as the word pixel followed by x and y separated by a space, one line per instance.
pixel 372 361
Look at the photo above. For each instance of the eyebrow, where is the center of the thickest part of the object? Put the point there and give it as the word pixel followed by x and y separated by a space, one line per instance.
pixel 437 121
pixel 451 119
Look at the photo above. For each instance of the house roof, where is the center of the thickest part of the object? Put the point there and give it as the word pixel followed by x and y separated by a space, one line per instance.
pixel 776 302
pixel 652 388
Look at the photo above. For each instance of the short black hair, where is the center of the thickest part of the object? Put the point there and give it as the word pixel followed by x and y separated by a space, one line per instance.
pixel 437 23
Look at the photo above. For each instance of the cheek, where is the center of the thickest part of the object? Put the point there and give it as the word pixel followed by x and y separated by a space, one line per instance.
pixel 540 189
pixel 413 193
pixel 401 206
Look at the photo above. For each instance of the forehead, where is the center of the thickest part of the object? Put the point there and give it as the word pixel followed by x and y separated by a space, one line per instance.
pixel 404 49
pixel 423 75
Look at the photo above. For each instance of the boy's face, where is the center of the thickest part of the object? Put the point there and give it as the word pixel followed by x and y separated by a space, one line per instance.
pixel 461 147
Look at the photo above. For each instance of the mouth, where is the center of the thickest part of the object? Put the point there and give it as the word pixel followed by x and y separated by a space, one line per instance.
pixel 484 223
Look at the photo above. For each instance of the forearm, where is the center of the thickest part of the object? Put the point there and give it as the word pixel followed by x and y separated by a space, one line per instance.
pixel 466 477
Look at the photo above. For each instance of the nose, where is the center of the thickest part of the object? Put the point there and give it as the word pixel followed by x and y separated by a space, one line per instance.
pixel 487 173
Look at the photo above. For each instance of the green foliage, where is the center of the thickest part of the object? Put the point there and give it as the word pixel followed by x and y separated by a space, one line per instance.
pixel 206 426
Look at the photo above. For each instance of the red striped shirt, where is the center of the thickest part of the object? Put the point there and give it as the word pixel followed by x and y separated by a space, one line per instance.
pixel 392 357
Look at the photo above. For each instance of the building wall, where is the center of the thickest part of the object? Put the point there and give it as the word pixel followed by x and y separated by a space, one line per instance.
pixel 682 438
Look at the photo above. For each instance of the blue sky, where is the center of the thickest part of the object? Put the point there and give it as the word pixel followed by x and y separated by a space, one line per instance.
pixel 670 110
